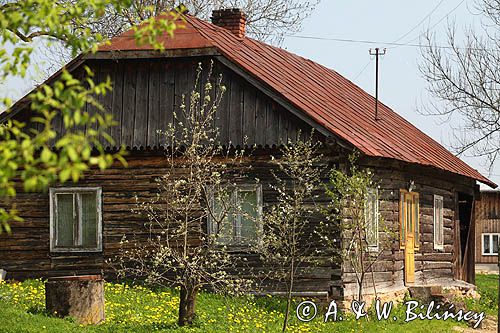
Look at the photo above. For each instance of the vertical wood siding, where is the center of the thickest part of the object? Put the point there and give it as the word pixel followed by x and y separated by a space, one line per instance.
pixel 146 93
pixel 487 221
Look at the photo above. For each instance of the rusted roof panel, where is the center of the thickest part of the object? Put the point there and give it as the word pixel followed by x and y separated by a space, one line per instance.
pixel 324 95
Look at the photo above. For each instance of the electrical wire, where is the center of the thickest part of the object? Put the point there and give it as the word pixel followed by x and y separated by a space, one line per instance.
pixel 435 24
pixel 364 41
pixel 362 70
pixel 420 23
pixel 395 43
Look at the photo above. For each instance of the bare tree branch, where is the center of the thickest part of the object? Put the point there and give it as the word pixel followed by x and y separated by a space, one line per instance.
pixel 267 20
pixel 466 77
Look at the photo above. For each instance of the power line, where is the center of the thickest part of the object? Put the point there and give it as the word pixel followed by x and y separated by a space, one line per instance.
pixel 364 41
pixel 420 23
pixel 439 21
pixel 362 70
pixel 395 43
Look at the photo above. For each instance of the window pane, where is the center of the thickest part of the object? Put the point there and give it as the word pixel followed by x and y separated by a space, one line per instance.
pixel 249 214
pixel 409 225
pixel 65 220
pixel 495 244
pixel 486 244
pixel 223 221
pixel 89 219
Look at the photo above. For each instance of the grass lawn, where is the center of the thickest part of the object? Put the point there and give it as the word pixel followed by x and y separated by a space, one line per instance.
pixel 488 289
pixel 138 309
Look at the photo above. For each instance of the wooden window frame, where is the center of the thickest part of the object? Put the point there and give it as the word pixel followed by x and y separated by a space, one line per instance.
pixel 236 241
pixel 438 229
pixel 415 212
pixel 490 234
pixel 376 215
pixel 53 192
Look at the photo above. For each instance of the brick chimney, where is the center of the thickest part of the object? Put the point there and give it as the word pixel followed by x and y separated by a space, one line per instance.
pixel 232 19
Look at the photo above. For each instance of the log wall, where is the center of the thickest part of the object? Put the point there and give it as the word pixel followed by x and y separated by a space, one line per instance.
pixel 431 266
pixel 26 254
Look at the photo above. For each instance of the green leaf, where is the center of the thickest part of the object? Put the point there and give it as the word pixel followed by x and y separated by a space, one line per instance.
pixel 46 155
pixel 64 175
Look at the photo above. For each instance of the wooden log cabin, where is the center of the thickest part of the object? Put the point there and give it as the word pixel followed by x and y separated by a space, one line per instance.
pixel 425 192
pixel 487 229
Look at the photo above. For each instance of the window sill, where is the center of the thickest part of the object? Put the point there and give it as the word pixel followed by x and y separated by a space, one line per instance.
pixel 72 250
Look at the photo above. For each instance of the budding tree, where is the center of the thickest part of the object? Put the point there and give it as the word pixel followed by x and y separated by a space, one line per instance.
pixel 285 242
pixel 353 224
pixel 182 249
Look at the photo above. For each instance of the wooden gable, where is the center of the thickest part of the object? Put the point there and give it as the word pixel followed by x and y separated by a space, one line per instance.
pixel 146 92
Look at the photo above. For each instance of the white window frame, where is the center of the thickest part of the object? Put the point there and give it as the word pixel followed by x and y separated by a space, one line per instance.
pixel 236 241
pixel 374 248
pixel 490 234
pixel 53 192
pixel 438 246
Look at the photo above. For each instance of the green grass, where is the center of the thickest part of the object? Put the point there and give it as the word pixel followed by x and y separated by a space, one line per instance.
pixel 487 286
pixel 138 309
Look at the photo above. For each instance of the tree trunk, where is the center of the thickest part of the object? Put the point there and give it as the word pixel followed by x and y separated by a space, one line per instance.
pixel 187 305
pixel 360 287
pixel 289 298
pixel 80 297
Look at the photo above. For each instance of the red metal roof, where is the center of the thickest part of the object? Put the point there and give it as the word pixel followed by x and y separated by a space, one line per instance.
pixel 327 97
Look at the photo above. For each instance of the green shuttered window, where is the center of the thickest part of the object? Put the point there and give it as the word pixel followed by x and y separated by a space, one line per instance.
pixel 75 219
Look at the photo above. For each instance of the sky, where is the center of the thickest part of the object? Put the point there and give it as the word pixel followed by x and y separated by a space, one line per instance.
pixel 401 86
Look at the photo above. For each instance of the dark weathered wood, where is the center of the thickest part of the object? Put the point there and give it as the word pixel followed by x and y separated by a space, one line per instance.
pixel 249 124
pixel 272 125
pixel 141 105
pixel 128 112
pixel 106 100
pixel 222 117
pixel 167 98
pixel 154 122
pixel 147 93
pixel 117 102
pixel 260 121
pixel 235 113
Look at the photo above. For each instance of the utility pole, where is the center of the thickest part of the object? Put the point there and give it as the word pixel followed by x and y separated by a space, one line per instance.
pixel 377 53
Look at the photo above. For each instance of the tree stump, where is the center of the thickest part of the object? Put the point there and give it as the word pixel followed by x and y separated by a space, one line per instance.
pixel 80 297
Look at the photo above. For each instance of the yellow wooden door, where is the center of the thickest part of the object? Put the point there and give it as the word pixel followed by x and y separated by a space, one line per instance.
pixel 409 232
pixel 409 243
